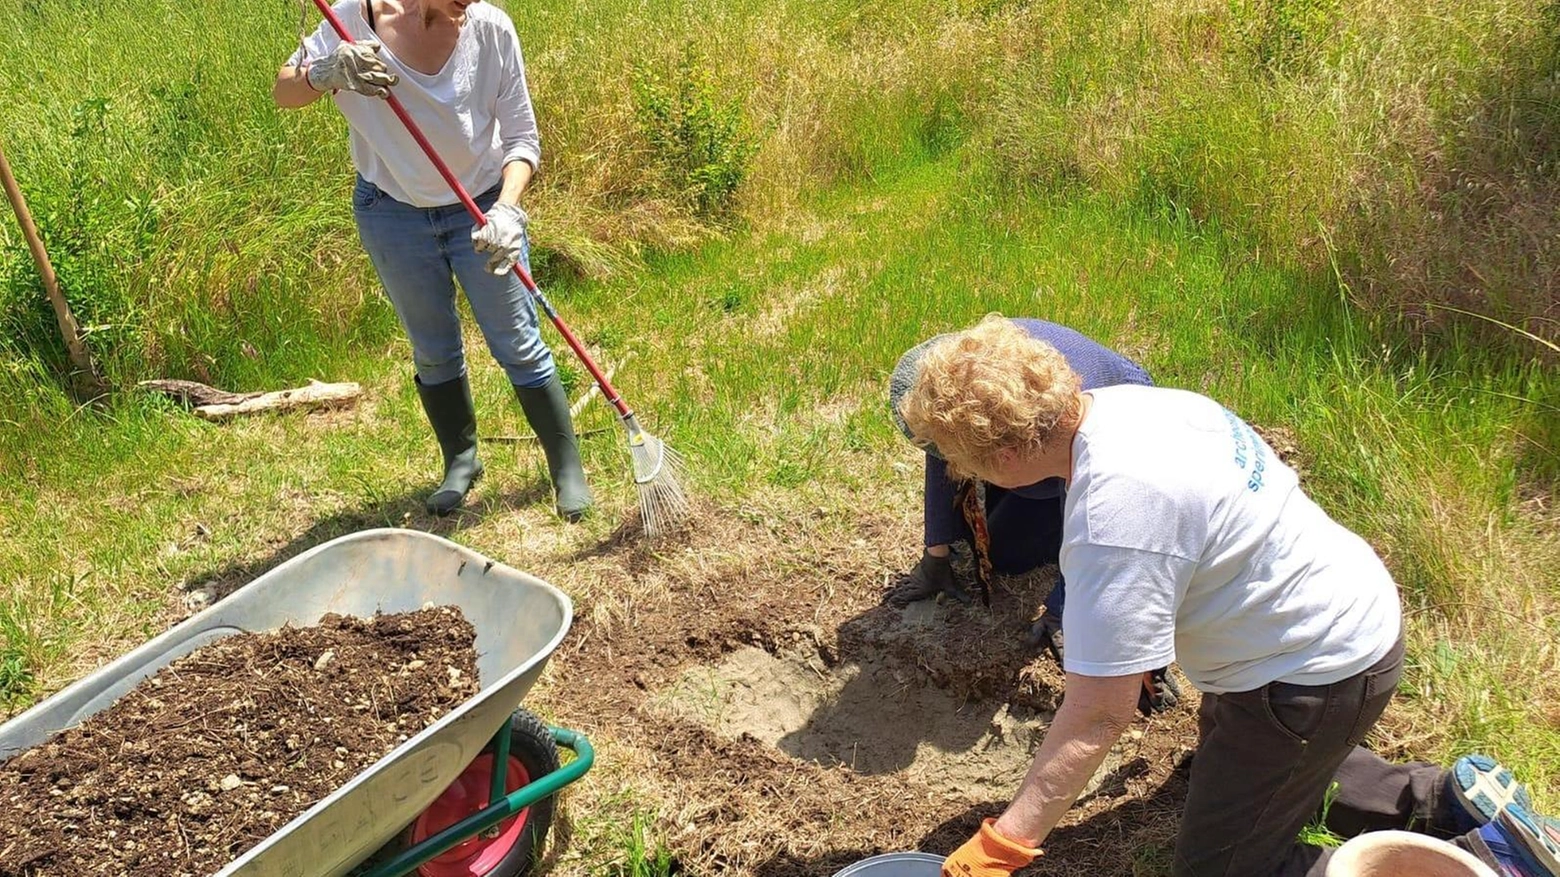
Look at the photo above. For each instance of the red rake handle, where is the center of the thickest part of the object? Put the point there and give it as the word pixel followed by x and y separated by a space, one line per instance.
pixel 476 214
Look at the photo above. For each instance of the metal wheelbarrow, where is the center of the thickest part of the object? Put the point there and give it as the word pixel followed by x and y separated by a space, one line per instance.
pixel 471 794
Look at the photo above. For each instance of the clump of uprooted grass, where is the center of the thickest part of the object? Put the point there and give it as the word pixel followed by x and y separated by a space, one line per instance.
pixel 1413 144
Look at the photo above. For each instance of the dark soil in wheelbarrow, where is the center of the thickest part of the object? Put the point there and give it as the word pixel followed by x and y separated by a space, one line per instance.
pixel 223 747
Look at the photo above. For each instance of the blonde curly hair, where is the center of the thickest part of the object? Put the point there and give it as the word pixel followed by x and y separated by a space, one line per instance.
pixel 989 389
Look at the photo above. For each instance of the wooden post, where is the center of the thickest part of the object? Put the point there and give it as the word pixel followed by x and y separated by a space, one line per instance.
pixel 80 356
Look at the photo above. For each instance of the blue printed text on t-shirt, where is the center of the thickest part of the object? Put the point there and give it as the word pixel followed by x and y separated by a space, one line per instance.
pixel 1249 449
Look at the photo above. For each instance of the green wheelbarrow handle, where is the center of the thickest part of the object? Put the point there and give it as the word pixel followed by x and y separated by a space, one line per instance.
pixel 502 808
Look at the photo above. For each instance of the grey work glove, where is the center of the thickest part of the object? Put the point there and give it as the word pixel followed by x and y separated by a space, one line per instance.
pixel 931 577
pixel 503 238
pixel 353 67
pixel 1046 633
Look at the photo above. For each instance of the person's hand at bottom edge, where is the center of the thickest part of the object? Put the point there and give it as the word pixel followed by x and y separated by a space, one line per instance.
pixel 988 854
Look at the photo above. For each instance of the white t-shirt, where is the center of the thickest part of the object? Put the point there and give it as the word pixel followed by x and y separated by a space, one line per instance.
pixel 476 111
pixel 1186 538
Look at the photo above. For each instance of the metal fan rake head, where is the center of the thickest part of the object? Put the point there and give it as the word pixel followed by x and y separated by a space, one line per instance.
pixel 658 473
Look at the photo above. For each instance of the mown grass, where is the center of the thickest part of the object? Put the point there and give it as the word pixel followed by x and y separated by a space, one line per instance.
pixel 1247 197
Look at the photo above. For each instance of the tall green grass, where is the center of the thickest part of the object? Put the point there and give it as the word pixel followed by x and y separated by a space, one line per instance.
pixel 194 228
pixel 199 232
pixel 1411 142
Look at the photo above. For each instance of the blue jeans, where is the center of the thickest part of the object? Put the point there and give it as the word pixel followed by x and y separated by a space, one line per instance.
pixel 419 253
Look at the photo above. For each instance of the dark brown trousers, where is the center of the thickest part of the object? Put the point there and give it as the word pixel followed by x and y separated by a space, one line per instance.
pixel 1264 767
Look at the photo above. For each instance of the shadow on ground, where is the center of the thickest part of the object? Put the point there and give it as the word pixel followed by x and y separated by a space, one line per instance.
pixel 406 510
pixel 792 723
pixel 1132 837
pixel 935 690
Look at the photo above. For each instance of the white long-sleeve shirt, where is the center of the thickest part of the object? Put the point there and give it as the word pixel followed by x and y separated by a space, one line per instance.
pixel 476 111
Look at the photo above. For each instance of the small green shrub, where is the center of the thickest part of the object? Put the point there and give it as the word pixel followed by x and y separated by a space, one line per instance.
pixel 93 238
pixel 700 139
pixel 570 373
pixel 16 679
pixel 179 127
pixel 943 127
pixel 1283 34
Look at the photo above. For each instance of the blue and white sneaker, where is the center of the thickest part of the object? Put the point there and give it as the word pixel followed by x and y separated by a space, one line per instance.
pixel 1536 834
pixel 1523 843
pixel 1484 788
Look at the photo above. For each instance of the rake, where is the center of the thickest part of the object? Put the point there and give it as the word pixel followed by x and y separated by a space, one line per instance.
pixel 658 470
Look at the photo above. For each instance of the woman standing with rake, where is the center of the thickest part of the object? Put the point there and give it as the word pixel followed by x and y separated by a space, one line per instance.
pixel 457 68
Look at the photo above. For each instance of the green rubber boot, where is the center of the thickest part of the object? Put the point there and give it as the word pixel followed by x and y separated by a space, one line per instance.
pixel 454 418
pixel 547 409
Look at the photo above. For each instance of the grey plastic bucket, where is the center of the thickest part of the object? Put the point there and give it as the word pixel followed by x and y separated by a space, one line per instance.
pixel 896 865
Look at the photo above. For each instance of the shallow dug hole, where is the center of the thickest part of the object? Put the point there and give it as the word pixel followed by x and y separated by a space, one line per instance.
pixel 780 720
pixel 876 717
pixel 873 714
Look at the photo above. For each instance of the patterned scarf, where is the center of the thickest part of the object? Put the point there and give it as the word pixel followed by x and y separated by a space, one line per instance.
pixel 971 501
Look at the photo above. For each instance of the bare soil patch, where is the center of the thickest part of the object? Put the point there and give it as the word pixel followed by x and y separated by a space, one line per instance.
pixel 791 723
pixel 223 747
pixel 875 717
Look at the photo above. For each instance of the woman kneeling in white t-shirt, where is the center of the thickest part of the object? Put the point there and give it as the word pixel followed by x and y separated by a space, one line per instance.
pixel 1184 538
pixel 457 69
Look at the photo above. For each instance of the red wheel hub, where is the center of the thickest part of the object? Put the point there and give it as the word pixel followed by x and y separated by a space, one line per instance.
pixel 477 856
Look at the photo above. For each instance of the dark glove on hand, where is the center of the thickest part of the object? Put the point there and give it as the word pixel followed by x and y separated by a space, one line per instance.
pixel 932 576
pixel 1046 633
pixel 1160 692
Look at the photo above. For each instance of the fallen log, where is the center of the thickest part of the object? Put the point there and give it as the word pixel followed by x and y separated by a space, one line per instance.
pixel 210 403
pixel 194 393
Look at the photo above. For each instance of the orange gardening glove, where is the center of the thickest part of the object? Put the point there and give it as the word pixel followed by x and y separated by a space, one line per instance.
pixel 988 854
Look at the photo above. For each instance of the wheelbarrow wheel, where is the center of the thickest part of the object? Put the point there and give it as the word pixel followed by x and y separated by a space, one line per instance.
pixel 514 846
